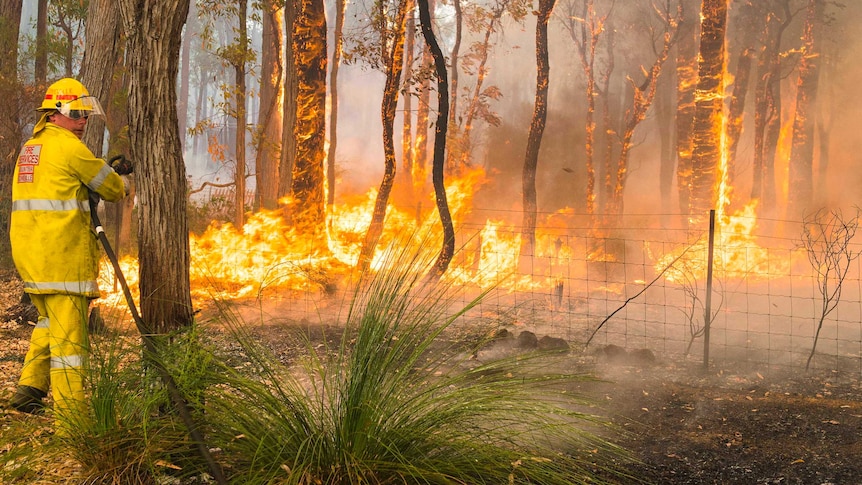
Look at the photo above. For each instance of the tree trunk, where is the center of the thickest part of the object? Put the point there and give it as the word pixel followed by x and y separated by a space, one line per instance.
pixel 406 175
pixel 240 115
pixel 12 122
pixel 291 82
pixel 585 28
pixel 309 211
pixel 41 66
pixel 747 18
pixel 667 164
pixel 340 6
pixel 153 32
pixel 686 79
pixel 448 248
pixel 185 66
pixel 269 124
pixel 394 67
pixel 642 98
pixel 101 52
pixel 709 103
pixel 801 177
pixel 537 129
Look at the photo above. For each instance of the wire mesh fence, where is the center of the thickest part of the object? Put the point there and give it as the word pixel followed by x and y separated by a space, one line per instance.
pixel 641 283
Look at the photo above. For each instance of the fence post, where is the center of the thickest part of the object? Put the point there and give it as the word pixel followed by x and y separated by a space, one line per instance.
pixel 707 310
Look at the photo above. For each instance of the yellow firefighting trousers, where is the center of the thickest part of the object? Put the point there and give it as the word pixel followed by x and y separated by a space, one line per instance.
pixel 58 352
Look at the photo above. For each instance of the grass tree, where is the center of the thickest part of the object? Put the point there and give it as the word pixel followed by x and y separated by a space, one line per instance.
pixel 395 403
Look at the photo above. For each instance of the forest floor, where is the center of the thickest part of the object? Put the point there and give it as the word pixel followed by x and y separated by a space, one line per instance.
pixel 683 425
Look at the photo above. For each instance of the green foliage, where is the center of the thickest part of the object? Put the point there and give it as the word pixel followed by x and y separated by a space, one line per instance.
pixel 394 403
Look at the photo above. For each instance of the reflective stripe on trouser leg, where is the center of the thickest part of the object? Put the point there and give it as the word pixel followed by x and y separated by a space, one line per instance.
pixel 37 363
pixel 69 349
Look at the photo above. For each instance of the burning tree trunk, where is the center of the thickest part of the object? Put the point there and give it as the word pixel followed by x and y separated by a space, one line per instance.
pixel 423 111
pixel 747 18
pixel 686 78
pixel 291 92
pixel 586 38
pixel 767 117
pixel 448 248
pixel 709 103
pixel 537 129
pixel 340 6
pixel 643 95
pixel 801 176
pixel 154 31
pixel 308 210
pixel 269 125
pixel 394 62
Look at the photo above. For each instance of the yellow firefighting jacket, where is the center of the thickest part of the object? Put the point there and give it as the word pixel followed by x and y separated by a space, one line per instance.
pixel 53 246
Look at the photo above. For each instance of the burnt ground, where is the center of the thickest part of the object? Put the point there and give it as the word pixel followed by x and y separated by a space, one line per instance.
pixel 684 425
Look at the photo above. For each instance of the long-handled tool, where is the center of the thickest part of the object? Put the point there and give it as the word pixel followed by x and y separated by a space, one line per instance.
pixel 176 396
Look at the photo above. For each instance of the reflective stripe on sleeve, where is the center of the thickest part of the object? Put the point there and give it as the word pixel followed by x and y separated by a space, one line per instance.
pixel 43 323
pixel 50 205
pixel 77 287
pixel 66 361
pixel 100 177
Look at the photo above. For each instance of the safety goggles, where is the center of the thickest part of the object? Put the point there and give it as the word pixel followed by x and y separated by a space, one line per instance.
pixel 82 107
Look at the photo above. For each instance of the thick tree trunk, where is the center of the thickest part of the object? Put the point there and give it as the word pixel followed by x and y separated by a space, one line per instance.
pixel 153 32
pixel 394 68
pixel 11 123
pixel 101 52
pixel 291 83
pixel 309 211
pixel 537 129
pixel 269 123
pixel 801 177
pixel 709 103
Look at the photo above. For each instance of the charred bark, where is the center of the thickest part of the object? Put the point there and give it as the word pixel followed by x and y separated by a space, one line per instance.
pixel 709 103
pixel 537 129
pixel 308 210
pixel 440 128
pixel 686 76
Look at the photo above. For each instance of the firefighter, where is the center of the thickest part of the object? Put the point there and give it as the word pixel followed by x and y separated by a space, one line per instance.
pixel 54 248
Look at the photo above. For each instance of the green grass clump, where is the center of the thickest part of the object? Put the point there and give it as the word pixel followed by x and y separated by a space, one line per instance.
pixel 395 404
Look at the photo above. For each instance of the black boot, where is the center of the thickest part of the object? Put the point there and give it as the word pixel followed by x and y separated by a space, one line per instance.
pixel 28 400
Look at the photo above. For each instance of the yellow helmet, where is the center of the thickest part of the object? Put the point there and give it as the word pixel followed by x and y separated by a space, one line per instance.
pixel 69 97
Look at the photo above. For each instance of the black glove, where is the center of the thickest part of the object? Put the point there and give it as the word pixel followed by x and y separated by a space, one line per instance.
pixel 121 165
pixel 94 200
